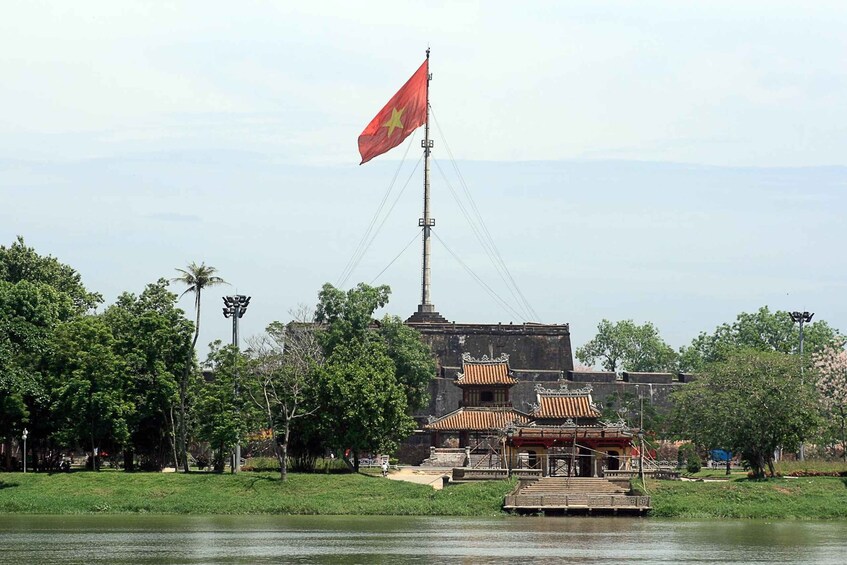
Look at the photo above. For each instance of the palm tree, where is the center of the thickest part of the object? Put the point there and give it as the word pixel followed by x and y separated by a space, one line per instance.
pixel 196 278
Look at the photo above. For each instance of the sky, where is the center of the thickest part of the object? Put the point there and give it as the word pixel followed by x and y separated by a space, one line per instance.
pixel 670 162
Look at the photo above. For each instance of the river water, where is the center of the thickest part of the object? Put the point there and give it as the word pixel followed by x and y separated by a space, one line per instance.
pixel 396 540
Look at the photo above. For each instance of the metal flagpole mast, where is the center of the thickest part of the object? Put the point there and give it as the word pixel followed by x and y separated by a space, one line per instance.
pixel 426 222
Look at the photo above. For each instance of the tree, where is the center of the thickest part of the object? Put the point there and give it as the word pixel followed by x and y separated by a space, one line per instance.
pixel 364 405
pixel 196 278
pixel 282 379
pixel 153 339
pixel 627 346
pixel 639 411
pixel 752 403
pixel 414 364
pixel 223 414
pixel 90 392
pixel 830 366
pixel 36 294
pixel 21 263
pixel 762 330
pixel 348 316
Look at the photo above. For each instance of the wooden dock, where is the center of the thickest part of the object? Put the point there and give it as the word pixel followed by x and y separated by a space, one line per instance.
pixel 562 495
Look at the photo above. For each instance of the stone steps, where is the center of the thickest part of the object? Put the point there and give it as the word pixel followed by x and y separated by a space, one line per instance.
pixel 574 485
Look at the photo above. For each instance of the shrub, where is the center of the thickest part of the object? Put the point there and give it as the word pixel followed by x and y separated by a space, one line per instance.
pixel 688 455
pixel 693 464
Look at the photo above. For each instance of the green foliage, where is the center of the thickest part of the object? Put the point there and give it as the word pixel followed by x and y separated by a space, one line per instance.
pixel 362 406
pixel 627 346
pixel 88 378
pixel 693 463
pixel 223 412
pixel 319 465
pixel 196 278
pixel 36 294
pixel 628 406
pixel 20 263
pixel 762 330
pixel 413 360
pixel 688 457
pixel 372 378
pixel 751 403
pixel 348 315
pixel 153 339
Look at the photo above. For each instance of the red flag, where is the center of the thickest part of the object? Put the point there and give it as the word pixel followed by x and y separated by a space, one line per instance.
pixel 401 116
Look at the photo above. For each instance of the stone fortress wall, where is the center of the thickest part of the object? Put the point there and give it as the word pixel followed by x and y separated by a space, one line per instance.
pixel 538 354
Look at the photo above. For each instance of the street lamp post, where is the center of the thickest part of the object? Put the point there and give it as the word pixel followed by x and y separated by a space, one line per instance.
pixel 234 307
pixel 801 318
pixel 24 436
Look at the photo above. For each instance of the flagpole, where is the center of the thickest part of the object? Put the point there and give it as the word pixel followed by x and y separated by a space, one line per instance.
pixel 426 313
pixel 426 222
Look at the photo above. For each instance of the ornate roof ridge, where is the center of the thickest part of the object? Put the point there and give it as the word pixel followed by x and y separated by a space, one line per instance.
pixel 563 390
pixel 490 409
pixel 485 360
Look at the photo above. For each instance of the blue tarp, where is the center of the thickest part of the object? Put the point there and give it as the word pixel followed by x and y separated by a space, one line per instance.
pixel 720 455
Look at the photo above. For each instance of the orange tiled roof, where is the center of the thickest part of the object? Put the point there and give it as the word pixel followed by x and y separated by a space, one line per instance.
pixel 557 432
pixel 485 372
pixel 561 406
pixel 473 418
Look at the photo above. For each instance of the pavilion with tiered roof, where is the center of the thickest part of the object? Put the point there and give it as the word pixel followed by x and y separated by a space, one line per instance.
pixel 563 434
pixel 485 408
pixel 566 436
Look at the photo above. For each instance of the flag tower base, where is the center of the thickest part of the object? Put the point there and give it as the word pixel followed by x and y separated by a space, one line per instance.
pixel 426 314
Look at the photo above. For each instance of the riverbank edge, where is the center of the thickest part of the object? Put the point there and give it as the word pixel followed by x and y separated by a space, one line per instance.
pixel 806 498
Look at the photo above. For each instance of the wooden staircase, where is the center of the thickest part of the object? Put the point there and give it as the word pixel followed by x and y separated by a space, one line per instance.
pixel 572 485
pixel 570 494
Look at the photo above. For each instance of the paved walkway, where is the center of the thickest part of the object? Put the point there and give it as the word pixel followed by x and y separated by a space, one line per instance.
pixel 421 475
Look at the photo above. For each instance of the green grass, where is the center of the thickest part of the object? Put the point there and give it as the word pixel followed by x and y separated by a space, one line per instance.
pixel 780 498
pixel 814 466
pixel 359 494
pixel 245 493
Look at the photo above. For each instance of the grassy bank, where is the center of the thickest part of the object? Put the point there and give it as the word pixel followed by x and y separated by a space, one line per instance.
pixel 348 494
pixel 246 493
pixel 781 498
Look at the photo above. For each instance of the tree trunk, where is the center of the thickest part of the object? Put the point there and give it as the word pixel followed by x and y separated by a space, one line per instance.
pixel 282 451
pixel 353 466
pixel 727 462
pixel 183 387
pixel 129 461
pixel 757 464
pixel 172 437
pixel 183 442
pixel 220 462
pixel 770 467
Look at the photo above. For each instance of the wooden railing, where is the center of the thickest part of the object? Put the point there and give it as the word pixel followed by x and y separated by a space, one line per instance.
pixel 588 501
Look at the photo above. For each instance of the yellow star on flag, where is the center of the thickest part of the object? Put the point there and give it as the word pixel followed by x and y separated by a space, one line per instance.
pixel 394 122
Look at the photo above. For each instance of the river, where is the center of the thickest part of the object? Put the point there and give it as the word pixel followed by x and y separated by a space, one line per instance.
pixel 337 539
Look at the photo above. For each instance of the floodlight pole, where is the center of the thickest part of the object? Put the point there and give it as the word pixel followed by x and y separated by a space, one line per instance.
pixel 801 318
pixel 234 307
